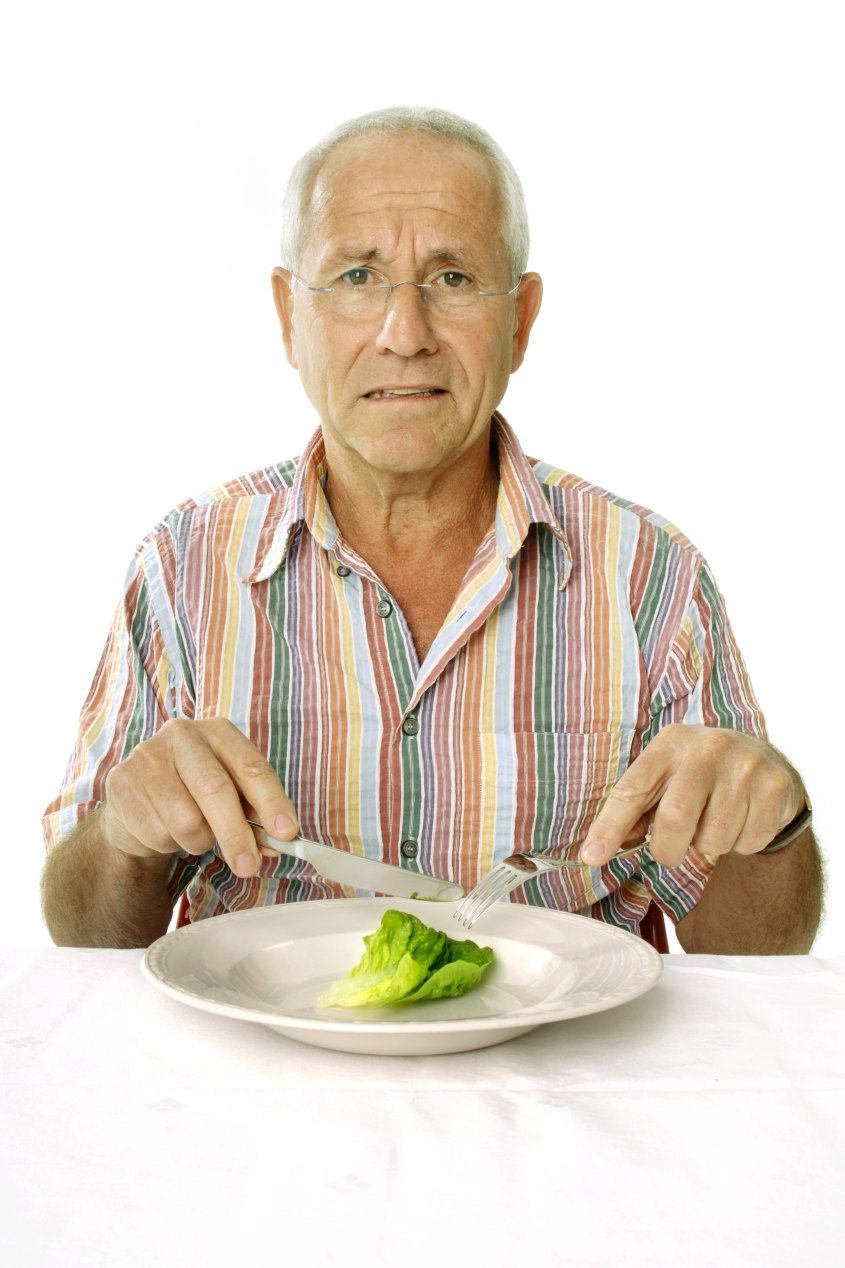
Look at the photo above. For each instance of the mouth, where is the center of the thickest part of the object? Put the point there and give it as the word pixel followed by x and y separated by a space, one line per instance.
pixel 386 393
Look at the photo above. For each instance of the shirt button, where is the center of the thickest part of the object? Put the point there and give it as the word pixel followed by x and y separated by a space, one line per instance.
pixel 410 849
pixel 411 725
pixel 343 571
pixel 384 608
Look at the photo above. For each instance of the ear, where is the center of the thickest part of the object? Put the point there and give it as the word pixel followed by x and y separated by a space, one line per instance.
pixel 283 299
pixel 529 297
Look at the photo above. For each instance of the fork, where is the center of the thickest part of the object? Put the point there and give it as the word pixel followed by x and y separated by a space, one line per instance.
pixel 513 871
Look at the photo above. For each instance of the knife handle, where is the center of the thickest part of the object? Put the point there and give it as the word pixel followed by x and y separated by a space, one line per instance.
pixel 295 848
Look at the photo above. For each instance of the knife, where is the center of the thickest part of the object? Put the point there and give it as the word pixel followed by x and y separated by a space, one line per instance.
pixel 352 869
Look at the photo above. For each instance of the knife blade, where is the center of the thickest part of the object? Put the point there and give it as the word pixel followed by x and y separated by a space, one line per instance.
pixel 361 873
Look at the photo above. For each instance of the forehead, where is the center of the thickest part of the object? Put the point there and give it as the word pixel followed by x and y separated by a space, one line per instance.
pixel 376 191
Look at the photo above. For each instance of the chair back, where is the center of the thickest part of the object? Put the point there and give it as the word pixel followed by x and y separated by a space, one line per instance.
pixel 653 929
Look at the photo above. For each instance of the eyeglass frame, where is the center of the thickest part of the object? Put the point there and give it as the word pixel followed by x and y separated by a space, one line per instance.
pixel 389 286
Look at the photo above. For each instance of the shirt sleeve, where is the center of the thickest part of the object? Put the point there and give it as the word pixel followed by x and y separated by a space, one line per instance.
pixel 704 682
pixel 129 700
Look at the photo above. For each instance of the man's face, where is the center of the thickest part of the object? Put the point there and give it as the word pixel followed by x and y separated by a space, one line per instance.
pixel 408 208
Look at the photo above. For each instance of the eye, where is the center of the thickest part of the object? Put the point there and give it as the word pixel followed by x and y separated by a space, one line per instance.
pixel 356 277
pixel 454 279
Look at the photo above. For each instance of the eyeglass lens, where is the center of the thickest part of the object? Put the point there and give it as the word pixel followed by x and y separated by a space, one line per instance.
pixel 372 296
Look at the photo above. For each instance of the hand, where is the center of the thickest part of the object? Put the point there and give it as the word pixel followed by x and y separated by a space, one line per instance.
pixel 190 785
pixel 708 787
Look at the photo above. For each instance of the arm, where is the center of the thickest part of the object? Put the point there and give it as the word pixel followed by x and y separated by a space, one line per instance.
pixel 127 807
pixel 183 789
pixel 759 904
pixel 93 895
pixel 729 794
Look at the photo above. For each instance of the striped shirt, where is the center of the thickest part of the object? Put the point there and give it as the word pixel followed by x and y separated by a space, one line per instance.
pixel 584 624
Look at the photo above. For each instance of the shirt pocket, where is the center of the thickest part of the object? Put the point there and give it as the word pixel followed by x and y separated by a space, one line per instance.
pixel 560 783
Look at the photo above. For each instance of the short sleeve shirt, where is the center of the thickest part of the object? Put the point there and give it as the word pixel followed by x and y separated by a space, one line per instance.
pixel 584 625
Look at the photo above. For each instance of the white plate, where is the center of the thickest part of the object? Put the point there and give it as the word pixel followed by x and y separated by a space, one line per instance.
pixel 269 964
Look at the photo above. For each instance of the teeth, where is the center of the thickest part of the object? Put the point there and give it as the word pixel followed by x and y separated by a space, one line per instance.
pixel 404 391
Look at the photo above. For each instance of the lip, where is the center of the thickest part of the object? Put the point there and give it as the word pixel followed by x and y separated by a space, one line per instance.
pixel 407 390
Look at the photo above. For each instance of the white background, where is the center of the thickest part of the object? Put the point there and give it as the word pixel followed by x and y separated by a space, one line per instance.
pixel 683 169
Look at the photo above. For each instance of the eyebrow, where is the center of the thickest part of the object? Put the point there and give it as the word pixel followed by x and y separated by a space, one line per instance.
pixel 442 255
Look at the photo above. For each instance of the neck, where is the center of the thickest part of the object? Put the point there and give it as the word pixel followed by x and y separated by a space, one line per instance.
pixel 378 511
pixel 417 532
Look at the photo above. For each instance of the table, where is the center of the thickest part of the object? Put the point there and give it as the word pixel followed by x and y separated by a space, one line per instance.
pixel 702 1124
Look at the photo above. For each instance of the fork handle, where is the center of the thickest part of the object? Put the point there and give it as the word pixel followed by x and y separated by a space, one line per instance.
pixel 620 854
pixel 529 865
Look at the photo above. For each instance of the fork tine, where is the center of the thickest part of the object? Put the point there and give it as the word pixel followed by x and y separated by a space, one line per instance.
pixel 495 886
pixel 505 886
pixel 491 899
pixel 485 886
pixel 486 883
pixel 506 882
pixel 504 878
pixel 490 882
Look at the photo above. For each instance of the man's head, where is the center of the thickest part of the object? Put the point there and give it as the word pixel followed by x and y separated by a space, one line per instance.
pixel 405 195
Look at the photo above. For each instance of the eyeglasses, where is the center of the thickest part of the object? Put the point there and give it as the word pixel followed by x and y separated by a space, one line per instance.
pixel 360 293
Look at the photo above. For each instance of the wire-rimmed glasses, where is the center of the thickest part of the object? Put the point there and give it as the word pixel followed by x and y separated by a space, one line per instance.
pixel 359 292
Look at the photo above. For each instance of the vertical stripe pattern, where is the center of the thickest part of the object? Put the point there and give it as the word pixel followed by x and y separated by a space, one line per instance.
pixel 584 624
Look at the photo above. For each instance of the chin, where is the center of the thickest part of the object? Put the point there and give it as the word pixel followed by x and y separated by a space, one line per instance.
pixel 404 449
pixel 405 444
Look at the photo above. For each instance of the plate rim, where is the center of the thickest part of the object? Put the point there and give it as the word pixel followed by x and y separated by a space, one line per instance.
pixel 156 950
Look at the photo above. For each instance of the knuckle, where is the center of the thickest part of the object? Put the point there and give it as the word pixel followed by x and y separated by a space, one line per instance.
pixel 116 780
pixel 750 764
pixel 211 782
pixel 674 818
pixel 161 840
pixel 187 824
pixel 778 781
pixel 623 795
pixel 134 773
pixel 716 741
pixel 217 725
pixel 256 767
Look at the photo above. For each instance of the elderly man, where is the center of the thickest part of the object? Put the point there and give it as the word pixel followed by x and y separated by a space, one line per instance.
pixel 414 643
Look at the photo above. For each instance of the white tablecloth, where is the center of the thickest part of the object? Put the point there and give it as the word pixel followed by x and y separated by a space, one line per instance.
pixel 703 1124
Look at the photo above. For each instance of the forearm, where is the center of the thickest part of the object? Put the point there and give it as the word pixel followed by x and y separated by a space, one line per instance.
pixel 93 895
pixel 759 904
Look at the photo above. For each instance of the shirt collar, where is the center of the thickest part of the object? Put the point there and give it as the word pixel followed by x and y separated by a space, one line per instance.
pixel 306 504
pixel 521 500
pixel 521 503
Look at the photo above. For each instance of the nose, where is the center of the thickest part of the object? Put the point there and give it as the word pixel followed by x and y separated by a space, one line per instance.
pixel 406 329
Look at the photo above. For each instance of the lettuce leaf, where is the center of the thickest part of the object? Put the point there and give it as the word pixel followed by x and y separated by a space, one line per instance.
pixel 405 961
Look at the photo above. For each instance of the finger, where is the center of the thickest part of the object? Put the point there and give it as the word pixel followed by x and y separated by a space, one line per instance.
pixel 760 828
pixel 156 778
pixel 721 824
pixel 633 837
pixel 252 815
pixel 265 851
pixel 639 830
pixel 630 802
pixel 254 778
pixel 180 813
pixel 149 810
pixel 773 801
pixel 676 821
pixel 212 787
pixel 131 824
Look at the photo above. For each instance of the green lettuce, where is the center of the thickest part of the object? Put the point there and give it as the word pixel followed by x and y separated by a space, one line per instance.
pixel 405 961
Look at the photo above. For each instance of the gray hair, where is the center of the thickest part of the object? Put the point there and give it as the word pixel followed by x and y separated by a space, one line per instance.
pixel 426 120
